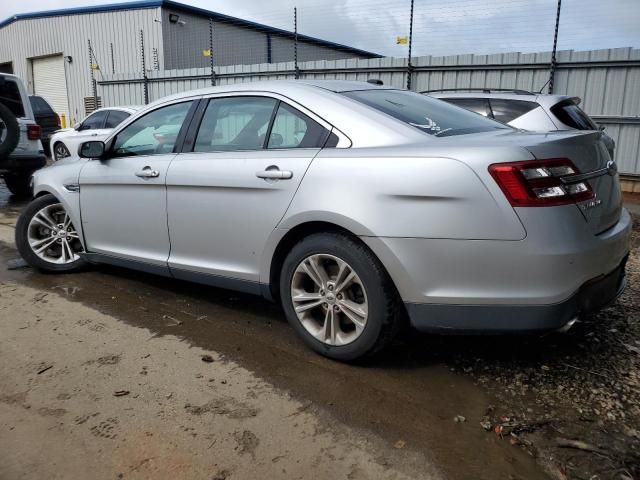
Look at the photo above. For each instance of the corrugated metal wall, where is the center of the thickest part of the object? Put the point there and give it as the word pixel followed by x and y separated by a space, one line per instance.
pixel 232 44
pixel 608 81
pixel 25 39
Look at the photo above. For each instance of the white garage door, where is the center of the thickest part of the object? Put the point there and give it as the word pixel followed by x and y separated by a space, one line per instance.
pixel 49 82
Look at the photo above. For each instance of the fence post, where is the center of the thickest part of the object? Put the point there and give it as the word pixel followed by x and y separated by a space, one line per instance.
pixel 295 43
pixel 144 70
pixel 94 86
pixel 213 72
pixel 552 70
pixel 113 62
pixel 409 65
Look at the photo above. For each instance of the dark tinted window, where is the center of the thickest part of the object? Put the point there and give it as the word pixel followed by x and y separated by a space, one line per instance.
pixel 10 96
pixel 572 115
pixel 40 106
pixel 115 118
pixel 94 121
pixel 235 123
pixel 477 105
pixel 294 129
pixel 154 133
pixel 428 114
pixel 505 110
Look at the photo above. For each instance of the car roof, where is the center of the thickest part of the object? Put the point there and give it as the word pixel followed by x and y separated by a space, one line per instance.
pixel 282 87
pixel 123 108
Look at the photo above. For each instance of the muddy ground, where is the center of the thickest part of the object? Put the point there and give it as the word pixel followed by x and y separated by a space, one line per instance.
pixel 102 376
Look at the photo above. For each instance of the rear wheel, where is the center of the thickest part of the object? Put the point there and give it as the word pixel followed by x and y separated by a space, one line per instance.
pixel 60 151
pixel 338 297
pixel 47 239
pixel 19 184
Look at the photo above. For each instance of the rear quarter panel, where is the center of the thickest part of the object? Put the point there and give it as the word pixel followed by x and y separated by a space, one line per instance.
pixel 385 194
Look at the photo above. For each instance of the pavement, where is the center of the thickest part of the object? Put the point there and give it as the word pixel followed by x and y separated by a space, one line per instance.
pixel 117 374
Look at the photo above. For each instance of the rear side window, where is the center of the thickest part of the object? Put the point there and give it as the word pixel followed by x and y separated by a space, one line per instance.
pixel 477 105
pixel 115 118
pixel 425 113
pixel 294 129
pixel 235 123
pixel 10 97
pixel 506 111
pixel 40 106
pixel 573 116
pixel 94 121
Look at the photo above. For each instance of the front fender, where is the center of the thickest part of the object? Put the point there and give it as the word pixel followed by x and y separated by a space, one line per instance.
pixel 61 181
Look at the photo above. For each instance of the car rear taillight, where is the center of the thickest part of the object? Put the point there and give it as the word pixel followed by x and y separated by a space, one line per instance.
pixel 34 132
pixel 540 183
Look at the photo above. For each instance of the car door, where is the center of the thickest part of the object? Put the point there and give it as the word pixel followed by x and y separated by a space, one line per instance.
pixel 246 157
pixel 123 197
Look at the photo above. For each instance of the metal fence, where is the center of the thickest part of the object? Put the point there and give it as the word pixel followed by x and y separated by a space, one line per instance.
pixel 608 81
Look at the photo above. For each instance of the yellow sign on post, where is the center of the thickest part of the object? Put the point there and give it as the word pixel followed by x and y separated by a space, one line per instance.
pixel 207 53
pixel 402 40
pixel 95 66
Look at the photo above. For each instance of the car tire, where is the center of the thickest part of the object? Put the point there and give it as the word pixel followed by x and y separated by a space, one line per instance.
pixel 377 297
pixel 10 137
pixel 31 235
pixel 19 184
pixel 60 151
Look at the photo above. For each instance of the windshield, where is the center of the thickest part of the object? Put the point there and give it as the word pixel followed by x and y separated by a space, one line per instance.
pixel 427 114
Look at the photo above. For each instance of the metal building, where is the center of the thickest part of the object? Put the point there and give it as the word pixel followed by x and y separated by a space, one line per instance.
pixel 51 50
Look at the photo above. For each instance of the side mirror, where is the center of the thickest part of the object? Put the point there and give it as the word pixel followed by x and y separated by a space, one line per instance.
pixel 77 126
pixel 92 149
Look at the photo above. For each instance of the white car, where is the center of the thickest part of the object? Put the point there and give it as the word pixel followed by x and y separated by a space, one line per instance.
pixel 97 126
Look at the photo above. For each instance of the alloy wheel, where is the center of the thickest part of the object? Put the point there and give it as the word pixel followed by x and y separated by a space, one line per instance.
pixel 52 236
pixel 60 151
pixel 329 299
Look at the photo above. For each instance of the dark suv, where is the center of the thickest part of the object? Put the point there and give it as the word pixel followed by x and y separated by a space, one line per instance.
pixel 47 118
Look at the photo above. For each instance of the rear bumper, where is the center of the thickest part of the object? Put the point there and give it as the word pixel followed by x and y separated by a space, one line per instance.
pixel 22 163
pixel 560 270
pixel 592 296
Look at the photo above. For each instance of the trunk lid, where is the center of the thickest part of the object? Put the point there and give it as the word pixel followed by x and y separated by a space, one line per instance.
pixel 588 152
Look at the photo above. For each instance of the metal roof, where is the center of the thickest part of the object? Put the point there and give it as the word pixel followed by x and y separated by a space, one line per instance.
pixel 148 4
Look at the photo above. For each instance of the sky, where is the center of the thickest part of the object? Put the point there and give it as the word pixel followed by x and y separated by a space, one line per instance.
pixel 440 27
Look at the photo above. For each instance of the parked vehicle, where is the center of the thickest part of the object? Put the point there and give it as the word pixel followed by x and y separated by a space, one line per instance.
pixel 20 148
pixel 96 126
pixel 536 112
pixel 355 206
pixel 47 118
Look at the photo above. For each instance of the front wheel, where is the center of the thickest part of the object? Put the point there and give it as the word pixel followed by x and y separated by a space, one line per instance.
pixel 60 151
pixel 338 297
pixel 47 239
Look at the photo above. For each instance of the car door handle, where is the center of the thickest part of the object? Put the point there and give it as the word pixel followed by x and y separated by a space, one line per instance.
pixel 148 172
pixel 275 174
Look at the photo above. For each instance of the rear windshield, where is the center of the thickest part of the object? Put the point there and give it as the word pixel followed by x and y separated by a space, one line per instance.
pixel 40 106
pixel 572 115
pixel 427 114
pixel 10 97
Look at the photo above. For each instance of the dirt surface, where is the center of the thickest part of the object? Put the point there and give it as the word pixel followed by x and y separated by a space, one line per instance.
pixel 126 389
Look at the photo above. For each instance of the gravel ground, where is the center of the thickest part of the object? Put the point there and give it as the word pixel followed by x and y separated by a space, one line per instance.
pixel 570 400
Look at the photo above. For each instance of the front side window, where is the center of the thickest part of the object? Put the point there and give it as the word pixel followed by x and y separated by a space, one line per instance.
pixel 505 110
pixel 425 113
pixel 293 129
pixel 152 134
pixel 115 118
pixel 10 97
pixel 94 121
pixel 235 123
pixel 572 115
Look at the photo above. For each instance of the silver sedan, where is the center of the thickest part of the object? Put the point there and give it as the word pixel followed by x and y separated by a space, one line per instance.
pixel 357 207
